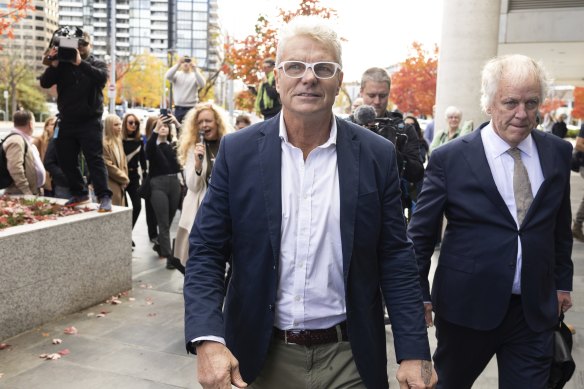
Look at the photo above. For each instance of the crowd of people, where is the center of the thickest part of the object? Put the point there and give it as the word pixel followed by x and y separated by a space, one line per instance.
pixel 306 210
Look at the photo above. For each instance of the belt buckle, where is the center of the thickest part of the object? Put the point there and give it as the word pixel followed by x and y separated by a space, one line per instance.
pixel 293 332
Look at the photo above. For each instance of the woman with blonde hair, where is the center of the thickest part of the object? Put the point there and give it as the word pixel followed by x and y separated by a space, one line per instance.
pixel 42 143
pixel 203 128
pixel 115 159
pixel 136 157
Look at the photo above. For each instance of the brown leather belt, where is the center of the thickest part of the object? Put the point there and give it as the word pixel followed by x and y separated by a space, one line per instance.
pixel 310 338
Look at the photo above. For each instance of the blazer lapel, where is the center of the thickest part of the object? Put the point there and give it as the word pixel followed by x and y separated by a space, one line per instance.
pixel 474 153
pixel 547 162
pixel 270 158
pixel 348 162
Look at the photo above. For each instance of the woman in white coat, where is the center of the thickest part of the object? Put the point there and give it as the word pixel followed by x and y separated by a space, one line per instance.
pixel 203 127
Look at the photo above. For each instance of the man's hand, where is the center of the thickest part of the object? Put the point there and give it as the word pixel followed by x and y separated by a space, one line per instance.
pixel 416 374
pixel 217 368
pixel 428 314
pixel 77 59
pixel 48 58
pixel 564 302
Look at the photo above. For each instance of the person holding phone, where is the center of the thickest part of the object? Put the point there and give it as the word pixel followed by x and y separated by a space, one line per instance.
pixel 186 79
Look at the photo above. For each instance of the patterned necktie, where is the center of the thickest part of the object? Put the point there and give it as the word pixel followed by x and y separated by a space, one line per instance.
pixel 521 185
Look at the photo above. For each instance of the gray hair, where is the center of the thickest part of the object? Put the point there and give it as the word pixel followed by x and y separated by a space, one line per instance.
pixel 452 110
pixel 313 27
pixel 375 75
pixel 516 67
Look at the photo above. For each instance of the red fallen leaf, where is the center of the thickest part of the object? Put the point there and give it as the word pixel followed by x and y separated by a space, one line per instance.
pixel 64 352
pixel 104 312
pixel 70 330
pixel 4 346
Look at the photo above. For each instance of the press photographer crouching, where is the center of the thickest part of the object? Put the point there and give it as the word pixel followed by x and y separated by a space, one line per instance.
pixel 80 79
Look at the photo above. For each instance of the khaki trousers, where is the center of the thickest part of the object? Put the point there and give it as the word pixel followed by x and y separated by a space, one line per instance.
pixel 291 366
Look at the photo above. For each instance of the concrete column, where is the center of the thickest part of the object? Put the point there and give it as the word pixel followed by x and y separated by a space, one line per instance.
pixel 470 36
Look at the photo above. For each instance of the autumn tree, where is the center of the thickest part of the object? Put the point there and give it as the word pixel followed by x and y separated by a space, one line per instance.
pixel 141 81
pixel 13 13
pixel 578 111
pixel 243 57
pixel 17 77
pixel 413 86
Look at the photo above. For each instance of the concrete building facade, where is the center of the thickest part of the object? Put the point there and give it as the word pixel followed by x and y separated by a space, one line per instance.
pixel 473 32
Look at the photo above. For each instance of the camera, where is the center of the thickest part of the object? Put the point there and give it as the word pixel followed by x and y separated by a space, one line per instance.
pixel 391 128
pixel 187 60
pixel 66 39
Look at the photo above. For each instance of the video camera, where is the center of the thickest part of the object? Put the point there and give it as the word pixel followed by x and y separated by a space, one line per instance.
pixel 67 40
pixel 391 128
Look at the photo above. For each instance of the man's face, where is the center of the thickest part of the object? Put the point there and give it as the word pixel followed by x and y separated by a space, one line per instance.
pixel 453 120
pixel 267 67
pixel 514 110
pixel 376 94
pixel 84 48
pixel 307 95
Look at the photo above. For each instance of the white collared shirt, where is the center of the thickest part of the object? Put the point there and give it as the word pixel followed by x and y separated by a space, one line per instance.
pixel 502 166
pixel 311 292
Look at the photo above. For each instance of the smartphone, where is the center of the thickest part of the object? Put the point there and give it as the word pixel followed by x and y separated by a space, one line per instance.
pixel 164 111
pixel 187 60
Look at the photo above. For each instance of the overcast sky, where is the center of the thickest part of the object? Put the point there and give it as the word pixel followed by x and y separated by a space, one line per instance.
pixel 378 33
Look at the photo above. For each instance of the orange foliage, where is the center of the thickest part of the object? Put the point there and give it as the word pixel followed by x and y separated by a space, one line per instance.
pixel 413 86
pixel 244 101
pixel 578 111
pixel 551 105
pixel 243 57
pixel 13 13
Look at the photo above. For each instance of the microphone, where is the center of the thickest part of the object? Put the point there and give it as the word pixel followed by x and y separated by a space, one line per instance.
pixel 202 140
pixel 365 115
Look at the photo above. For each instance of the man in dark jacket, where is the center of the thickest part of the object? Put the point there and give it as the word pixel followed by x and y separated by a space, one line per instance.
pixel 80 102
pixel 560 128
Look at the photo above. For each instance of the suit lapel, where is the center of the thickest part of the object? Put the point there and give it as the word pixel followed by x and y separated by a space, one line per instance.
pixel 270 158
pixel 547 161
pixel 348 162
pixel 474 153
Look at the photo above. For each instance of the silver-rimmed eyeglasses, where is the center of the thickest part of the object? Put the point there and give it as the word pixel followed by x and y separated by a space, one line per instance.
pixel 297 69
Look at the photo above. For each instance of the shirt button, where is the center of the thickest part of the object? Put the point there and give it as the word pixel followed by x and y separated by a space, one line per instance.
pixel 270 307
pixel 297 298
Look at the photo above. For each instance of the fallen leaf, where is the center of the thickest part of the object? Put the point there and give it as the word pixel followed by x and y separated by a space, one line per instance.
pixel 1 375
pixel 90 314
pixel 149 301
pixel 4 346
pixel 57 341
pixel 152 314
pixel 132 299
pixel 100 315
pixel 53 356
pixel 64 352
pixel 104 312
pixel 45 334
pixel 70 330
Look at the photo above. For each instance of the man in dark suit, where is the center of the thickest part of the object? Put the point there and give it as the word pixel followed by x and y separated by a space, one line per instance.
pixel 505 269
pixel 307 207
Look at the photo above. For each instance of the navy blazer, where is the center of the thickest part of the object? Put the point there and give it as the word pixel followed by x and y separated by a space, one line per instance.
pixel 473 281
pixel 241 216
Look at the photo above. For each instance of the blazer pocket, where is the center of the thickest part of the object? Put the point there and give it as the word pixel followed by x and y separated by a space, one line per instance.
pixel 457 262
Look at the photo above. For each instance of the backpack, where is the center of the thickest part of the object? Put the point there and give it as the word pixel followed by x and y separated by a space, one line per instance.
pixel 5 178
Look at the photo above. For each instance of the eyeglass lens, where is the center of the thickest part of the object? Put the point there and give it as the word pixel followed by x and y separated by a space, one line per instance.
pixel 297 69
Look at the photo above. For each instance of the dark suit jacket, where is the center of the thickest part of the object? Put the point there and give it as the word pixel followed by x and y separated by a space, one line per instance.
pixel 241 214
pixel 473 281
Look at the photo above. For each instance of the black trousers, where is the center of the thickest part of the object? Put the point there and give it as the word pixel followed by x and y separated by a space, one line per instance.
pixel 86 137
pixel 523 356
pixel 132 192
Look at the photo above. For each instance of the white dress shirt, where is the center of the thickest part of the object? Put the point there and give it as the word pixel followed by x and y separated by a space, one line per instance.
pixel 311 291
pixel 502 165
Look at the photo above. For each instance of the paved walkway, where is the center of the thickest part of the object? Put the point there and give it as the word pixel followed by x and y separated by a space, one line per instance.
pixel 139 343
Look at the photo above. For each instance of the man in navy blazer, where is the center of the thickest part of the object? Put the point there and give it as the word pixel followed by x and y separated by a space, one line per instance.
pixel 505 269
pixel 307 209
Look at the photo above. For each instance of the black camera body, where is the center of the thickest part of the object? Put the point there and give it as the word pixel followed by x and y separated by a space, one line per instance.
pixel 392 129
pixel 66 40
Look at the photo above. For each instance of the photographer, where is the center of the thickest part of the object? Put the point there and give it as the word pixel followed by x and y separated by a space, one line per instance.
pixel 80 79
pixel 186 79
pixel 375 85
